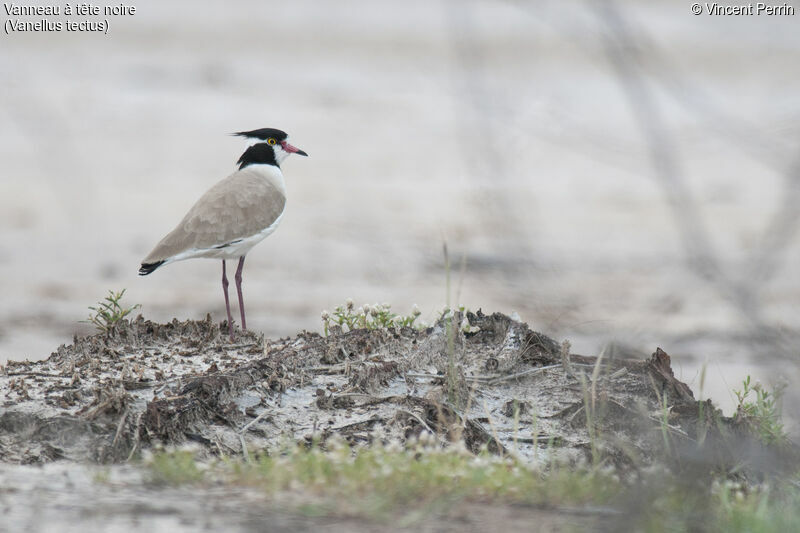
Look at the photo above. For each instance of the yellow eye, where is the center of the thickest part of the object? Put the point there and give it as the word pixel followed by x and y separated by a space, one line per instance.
pixel 271 142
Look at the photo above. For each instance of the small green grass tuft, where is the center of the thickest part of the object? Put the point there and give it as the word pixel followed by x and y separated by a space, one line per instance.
pixel 388 482
pixel 377 316
pixel 725 506
pixel 109 311
pixel 763 411
pixel 765 511
pixel 380 480
pixel 175 468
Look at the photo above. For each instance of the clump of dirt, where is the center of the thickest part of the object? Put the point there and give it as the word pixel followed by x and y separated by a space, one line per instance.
pixel 501 385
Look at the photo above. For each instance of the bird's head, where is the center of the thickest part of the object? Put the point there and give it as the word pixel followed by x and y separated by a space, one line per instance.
pixel 266 146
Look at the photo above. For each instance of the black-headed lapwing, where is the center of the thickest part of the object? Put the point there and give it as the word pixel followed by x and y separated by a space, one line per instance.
pixel 234 215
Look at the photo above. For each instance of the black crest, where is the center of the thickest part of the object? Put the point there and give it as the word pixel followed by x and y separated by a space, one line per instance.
pixel 264 134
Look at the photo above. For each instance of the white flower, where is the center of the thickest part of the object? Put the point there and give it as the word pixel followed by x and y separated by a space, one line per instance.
pixel 394 446
pixel 325 315
pixel 415 310
pixel 350 304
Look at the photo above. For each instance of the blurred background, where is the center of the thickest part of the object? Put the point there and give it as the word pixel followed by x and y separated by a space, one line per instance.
pixel 623 174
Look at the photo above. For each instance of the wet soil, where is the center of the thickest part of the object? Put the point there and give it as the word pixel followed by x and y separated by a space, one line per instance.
pixel 107 398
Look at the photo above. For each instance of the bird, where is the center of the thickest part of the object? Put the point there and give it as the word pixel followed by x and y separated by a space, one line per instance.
pixel 234 215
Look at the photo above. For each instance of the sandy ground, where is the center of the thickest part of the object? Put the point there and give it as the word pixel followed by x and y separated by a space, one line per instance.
pixel 112 400
pixel 503 128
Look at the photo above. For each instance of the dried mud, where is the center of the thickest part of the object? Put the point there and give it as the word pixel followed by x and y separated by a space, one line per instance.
pixel 105 399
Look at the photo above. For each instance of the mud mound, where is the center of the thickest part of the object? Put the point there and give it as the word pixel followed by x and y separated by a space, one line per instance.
pixel 502 385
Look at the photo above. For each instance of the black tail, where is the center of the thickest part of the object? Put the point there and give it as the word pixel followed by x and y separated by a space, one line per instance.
pixel 147 268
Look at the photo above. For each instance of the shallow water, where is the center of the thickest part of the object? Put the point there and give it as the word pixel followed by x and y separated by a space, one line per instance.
pixel 502 128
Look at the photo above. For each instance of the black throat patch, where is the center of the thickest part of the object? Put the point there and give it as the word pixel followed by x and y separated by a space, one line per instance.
pixel 258 154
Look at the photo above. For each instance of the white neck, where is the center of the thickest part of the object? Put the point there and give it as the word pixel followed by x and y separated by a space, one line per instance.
pixel 271 173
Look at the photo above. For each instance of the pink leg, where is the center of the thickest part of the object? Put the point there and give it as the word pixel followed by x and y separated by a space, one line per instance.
pixel 227 303
pixel 238 279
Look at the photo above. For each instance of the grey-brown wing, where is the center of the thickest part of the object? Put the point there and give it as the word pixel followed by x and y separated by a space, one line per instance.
pixel 241 205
